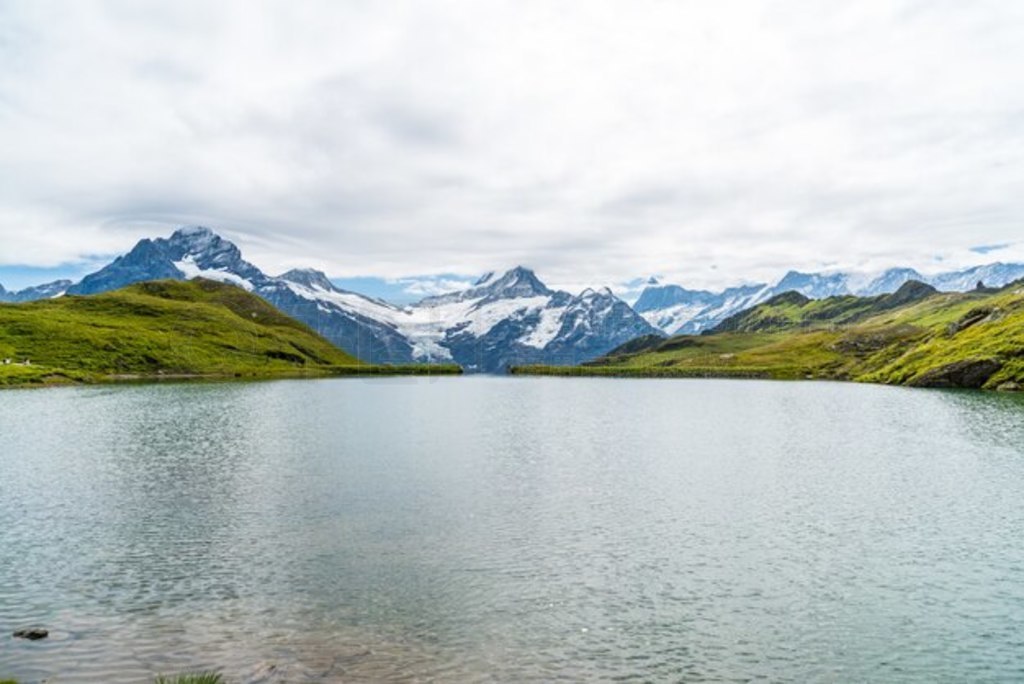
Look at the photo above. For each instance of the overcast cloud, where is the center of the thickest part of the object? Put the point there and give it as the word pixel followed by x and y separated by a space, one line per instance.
pixel 596 141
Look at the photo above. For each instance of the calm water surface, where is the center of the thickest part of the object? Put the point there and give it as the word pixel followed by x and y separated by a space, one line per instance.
pixel 513 529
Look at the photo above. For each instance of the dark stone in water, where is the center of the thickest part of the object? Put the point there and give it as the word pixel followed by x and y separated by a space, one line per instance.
pixel 32 634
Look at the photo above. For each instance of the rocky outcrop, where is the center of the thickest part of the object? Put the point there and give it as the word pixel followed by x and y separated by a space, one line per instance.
pixel 968 374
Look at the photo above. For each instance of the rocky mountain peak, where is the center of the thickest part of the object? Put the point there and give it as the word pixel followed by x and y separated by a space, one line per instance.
pixel 814 285
pixel 193 232
pixel 591 293
pixel 656 296
pixel 517 282
pixel 204 246
pixel 309 277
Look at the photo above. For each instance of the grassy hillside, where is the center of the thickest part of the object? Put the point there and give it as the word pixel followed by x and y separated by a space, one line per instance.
pixel 791 310
pixel 164 329
pixel 914 337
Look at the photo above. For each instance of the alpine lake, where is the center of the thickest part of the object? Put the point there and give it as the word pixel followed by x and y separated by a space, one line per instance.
pixel 512 529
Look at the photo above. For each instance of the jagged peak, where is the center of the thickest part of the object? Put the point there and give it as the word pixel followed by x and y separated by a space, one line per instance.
pixel 200 240
pixel 795 277
pixel 208 250
pixel 519 272
pixel 600 292
pixel 516 282
pixel 193 231
pixel 309 277
pixel 484 279
pixel 653 280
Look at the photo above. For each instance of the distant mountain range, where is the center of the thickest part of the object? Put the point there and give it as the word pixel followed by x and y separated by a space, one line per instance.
pixel 502 320
pixel 915 336
pixel 29 294
pixel 675 310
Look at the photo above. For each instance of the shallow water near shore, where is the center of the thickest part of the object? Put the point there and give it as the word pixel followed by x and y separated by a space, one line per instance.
pixel 512 529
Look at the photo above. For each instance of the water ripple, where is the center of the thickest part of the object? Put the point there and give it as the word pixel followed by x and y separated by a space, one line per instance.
pixel 507 529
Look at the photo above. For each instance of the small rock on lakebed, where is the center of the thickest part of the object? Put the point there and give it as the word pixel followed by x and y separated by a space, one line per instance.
pixel 32 633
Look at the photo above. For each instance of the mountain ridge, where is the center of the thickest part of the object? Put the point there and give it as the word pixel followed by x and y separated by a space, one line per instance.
pixel 55 288
pixel 675 310
pixel 501 320
pixel 916 336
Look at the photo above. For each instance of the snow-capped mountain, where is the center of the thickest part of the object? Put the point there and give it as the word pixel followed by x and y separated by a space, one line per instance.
pixel 44 291
pixel 888 281
pixel 501 320
pixel 676 310
pixel 814 285
pixel 506 319
pixel 190 252
pixel 196 251
pixel 992 275
pixel 358 324
pixel 516 319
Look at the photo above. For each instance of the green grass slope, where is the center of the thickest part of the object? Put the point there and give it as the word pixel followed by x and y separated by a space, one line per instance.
pixel 164 329
pixel 791 310
pixel 914 337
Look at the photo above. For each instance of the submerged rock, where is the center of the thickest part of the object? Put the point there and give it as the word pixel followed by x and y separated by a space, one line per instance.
pixel 32 633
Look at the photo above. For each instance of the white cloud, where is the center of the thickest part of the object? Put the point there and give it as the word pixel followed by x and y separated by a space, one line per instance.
pixel 592 140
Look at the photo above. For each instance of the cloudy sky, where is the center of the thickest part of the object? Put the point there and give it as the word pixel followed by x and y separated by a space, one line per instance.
pixel 597 141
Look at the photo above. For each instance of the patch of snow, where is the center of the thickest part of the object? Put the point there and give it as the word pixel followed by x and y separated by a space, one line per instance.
pixel 347 301
pixel 192 270
pixel 483 318
pixel 547 329
pixel 670 319
pixel 425 327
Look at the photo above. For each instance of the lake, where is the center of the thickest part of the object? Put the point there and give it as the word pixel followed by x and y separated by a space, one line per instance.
pixel 513 529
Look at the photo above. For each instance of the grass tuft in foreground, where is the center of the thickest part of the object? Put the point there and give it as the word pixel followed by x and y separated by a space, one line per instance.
pixel 197 678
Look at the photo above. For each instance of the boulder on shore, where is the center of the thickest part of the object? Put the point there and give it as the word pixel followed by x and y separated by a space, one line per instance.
pixel 969 374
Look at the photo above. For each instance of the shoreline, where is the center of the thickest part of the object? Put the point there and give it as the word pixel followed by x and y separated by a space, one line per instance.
pixel 62 377
pixel 784 375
